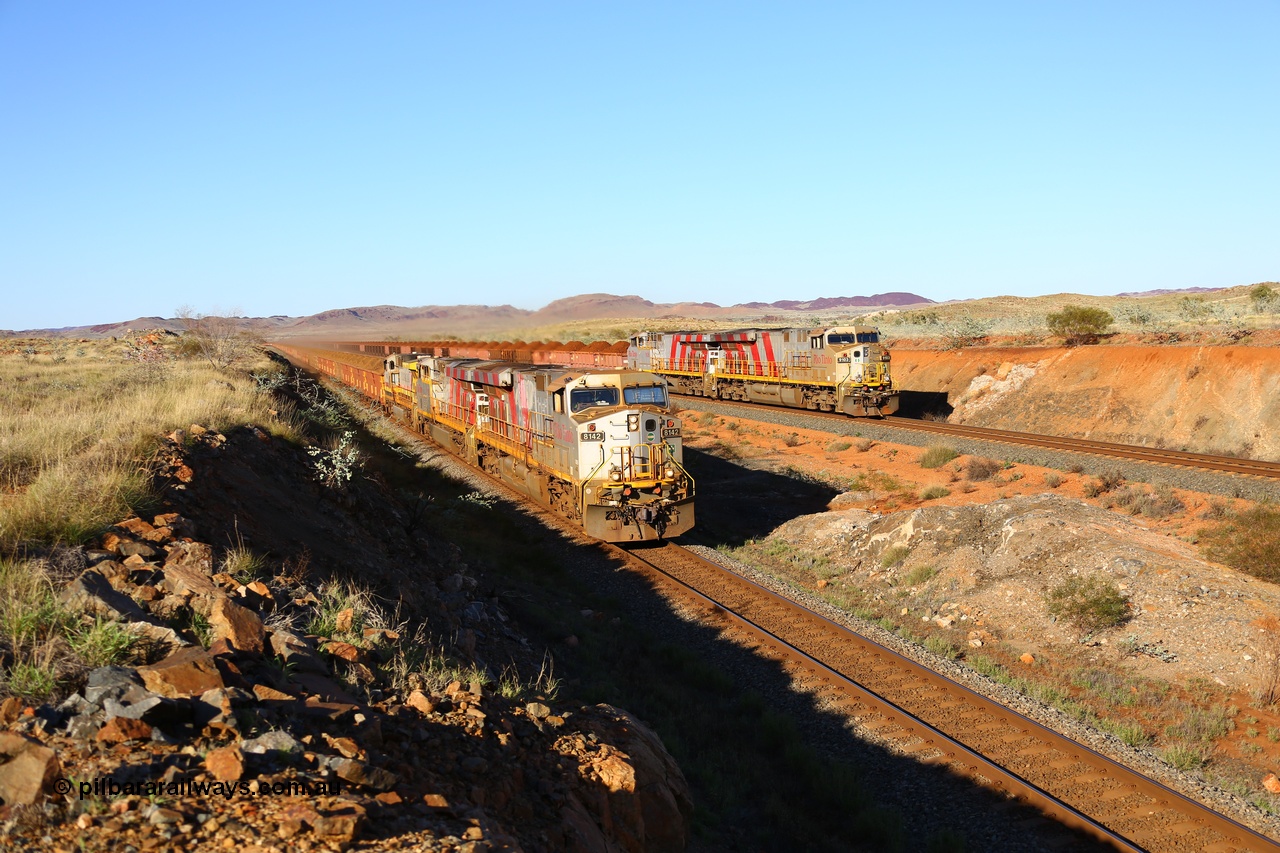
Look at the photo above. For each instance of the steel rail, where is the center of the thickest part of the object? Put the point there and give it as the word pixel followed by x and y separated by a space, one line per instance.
pixel 1231 464
pixel 972 764
pixel 1232 836
pixel 1202 461
pixel 1170 816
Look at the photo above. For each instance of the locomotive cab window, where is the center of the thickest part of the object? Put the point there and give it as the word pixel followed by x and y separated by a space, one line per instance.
pixel 581 399
pixel 637 395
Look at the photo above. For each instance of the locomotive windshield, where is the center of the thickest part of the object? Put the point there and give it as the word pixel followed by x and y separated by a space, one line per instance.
pixel 636 395
pixel 853 338
pixel 586 398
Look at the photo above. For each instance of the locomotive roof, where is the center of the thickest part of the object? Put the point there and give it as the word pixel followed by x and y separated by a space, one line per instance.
pixel 729 335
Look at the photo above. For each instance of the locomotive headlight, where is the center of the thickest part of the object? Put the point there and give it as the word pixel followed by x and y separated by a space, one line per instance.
pixel 669 473
pixel 616 476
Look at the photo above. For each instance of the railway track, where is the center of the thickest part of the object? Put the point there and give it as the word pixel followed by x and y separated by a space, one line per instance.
pixel 1201 461
pixel 940 721
pixel 1226 464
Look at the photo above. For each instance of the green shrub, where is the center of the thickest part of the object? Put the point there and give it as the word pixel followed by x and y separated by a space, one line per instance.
pixel 862 445
pixel 1130 732
pixel 1201 725
pixel 919 575
pixel 1091 604
pixel 31 681
pixel 1264 297
pixel 1079 324
pixel 244 565
pixel 793 440
pixel 837 446
pixel 934 492
pixel 894 555
pixel 1249 541
pixel 1052 479
pixel 937 455
pixel 102 643
pixel 943 648
pixel 1186 756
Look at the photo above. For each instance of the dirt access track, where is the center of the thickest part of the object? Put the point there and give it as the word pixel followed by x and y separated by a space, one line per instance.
pixel 1207 399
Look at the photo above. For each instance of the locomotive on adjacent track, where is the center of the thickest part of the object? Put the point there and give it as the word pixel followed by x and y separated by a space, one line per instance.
pixel 600 447
pixel 838 369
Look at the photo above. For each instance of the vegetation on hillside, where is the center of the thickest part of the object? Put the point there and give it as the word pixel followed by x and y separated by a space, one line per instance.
pixel 1079 324
pixel 80 423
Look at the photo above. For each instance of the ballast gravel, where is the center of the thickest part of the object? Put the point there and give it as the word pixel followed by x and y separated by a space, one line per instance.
pixel 1229 485
pixel 1140 760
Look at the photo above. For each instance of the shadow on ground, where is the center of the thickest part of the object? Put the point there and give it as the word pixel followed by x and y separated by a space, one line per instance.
pixel 736 502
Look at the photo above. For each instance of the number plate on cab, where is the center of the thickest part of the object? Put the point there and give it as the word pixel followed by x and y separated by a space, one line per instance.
pixel 671 432
pixel 592 436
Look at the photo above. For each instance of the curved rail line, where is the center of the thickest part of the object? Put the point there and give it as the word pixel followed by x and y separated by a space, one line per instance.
pixel 1203 461
pixel 944 722
pixel 940 721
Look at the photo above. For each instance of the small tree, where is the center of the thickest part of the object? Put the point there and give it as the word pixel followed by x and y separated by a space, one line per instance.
pixel 216 337
pixel 1264 297
pixel 967 331
pixel 1090 604
pixel 1078 324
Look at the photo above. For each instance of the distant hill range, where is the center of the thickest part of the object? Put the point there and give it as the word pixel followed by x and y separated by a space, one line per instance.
pixel 467 320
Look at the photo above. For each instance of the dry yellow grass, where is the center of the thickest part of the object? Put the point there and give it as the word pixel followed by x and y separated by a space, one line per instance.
pixel 80 423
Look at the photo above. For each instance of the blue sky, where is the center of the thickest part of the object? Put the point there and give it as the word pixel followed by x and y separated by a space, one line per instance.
pixel 289 157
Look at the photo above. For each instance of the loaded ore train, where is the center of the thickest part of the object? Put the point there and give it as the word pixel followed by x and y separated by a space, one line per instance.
pixel 837 369
pixel 600 447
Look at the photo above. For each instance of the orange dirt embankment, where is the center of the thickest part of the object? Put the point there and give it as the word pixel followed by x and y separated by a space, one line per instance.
pixel 1208 399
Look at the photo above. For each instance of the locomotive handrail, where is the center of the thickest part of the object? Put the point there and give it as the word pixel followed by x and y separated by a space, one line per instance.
pixel 683 470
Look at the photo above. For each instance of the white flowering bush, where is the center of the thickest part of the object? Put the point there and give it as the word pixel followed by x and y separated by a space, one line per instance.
pixel 337 466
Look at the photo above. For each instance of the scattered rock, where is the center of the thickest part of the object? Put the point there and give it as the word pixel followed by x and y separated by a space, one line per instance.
pixel 189 672
pixel 360 773
pixel 110 681
pixel 10 708
pixel 276 741
pixel 420 702
pixel 92 593
pixel 27 771
pixel 238 625
pixel 122 729
pixel 295 652
pixel 190 555
pixel 345 651
pixel 225 764
pixel 341 825
pixel 194 584
pixel 1271 783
